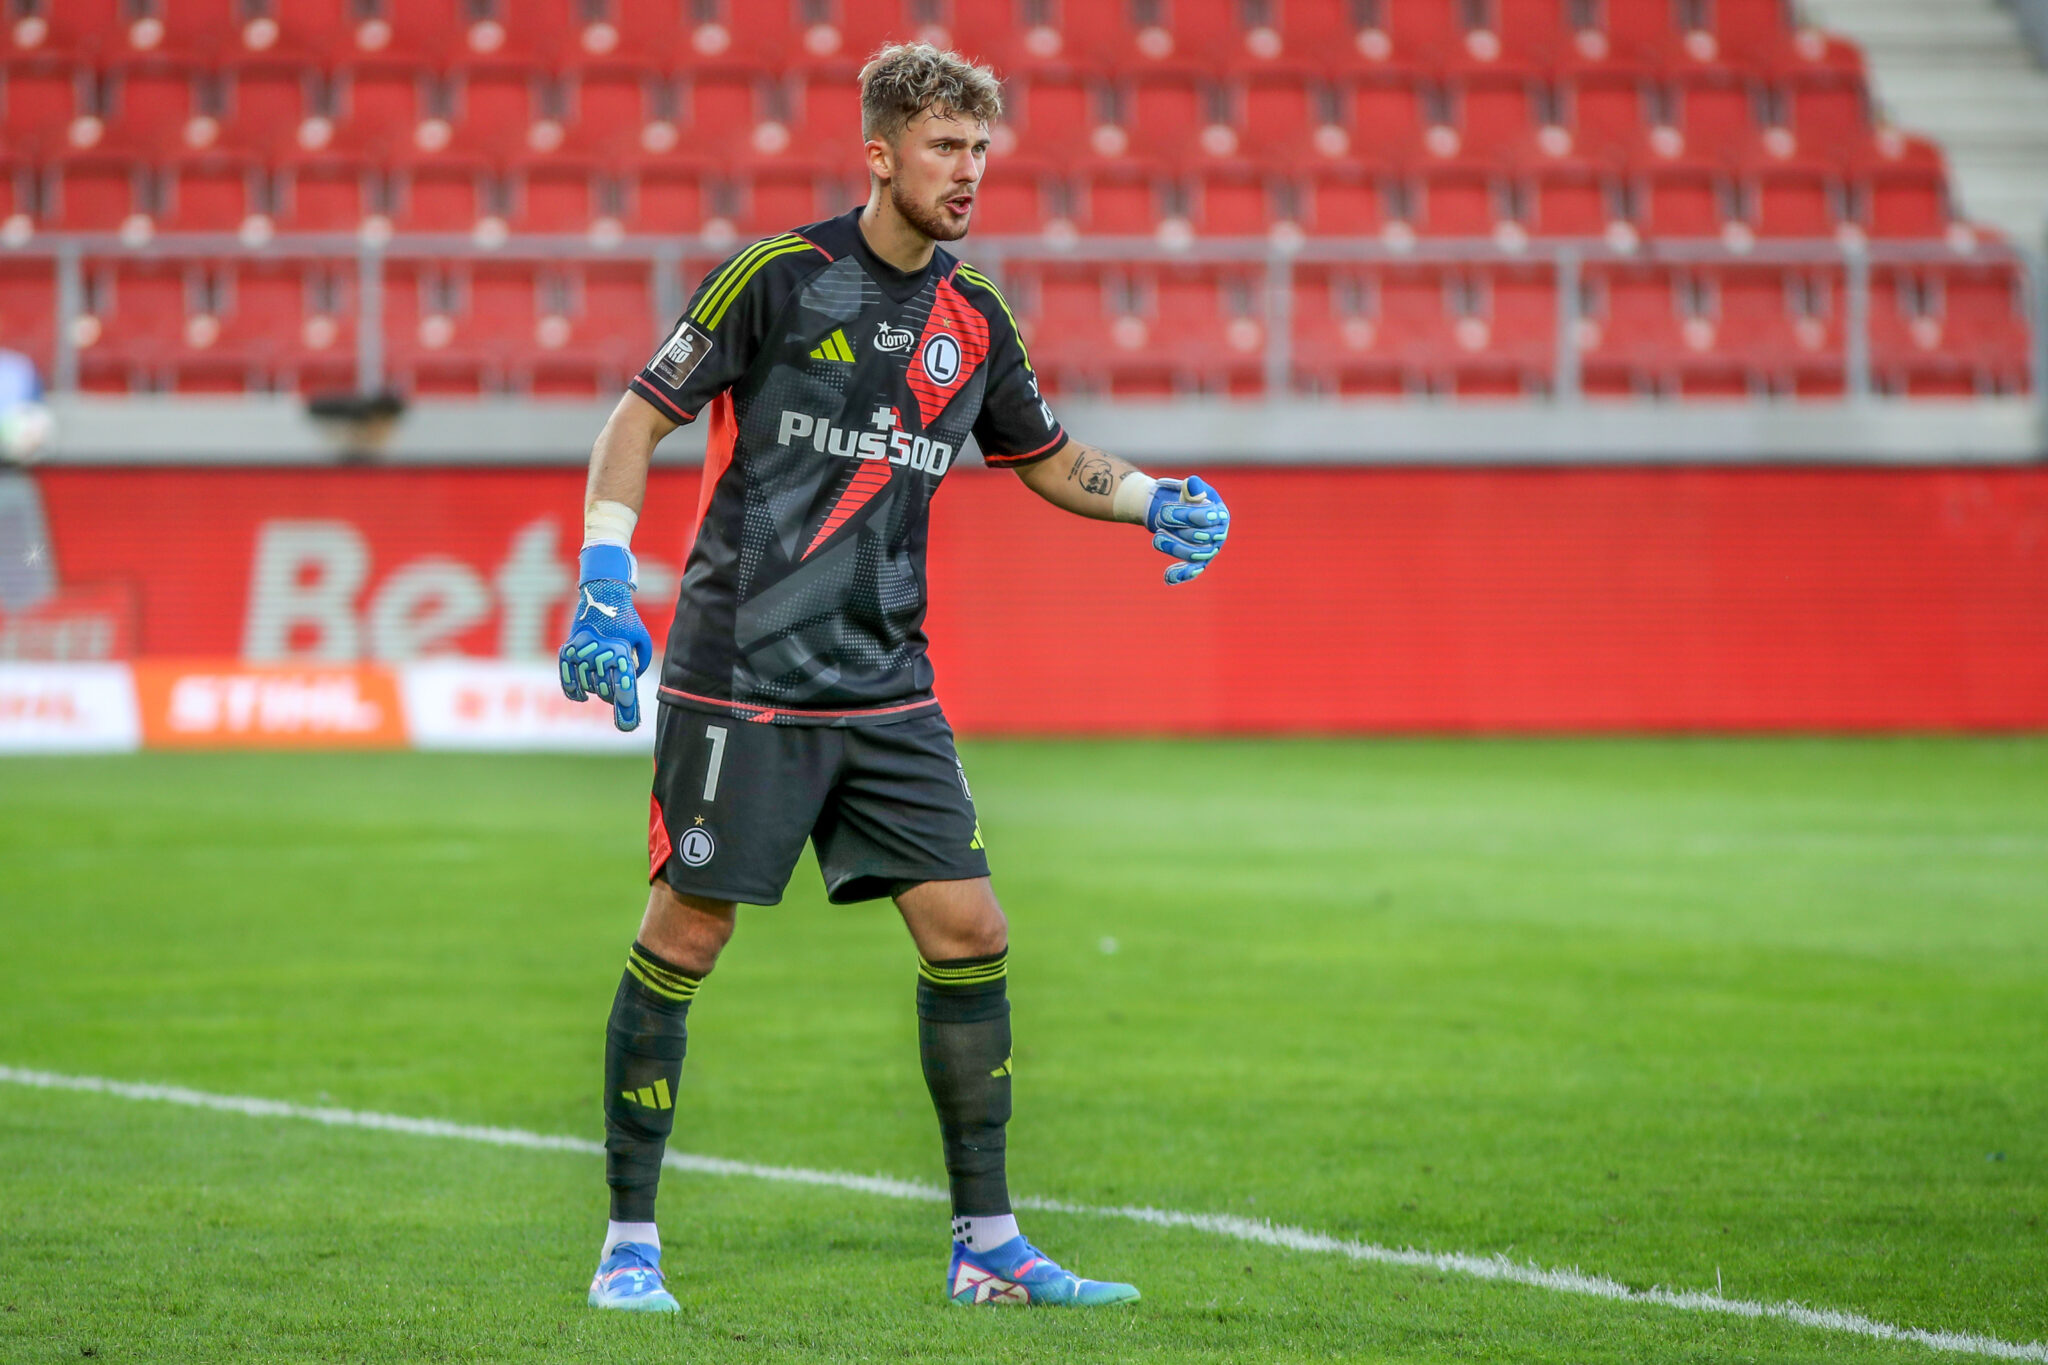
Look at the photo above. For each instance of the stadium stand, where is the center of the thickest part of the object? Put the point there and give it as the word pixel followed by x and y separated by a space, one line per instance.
pixel 1220 196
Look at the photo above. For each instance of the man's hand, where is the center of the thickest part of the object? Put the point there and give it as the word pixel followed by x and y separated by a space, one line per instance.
pixel 608 648
pixel 1188 521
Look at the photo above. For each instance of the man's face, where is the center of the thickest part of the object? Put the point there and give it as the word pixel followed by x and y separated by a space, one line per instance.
pixel 937 167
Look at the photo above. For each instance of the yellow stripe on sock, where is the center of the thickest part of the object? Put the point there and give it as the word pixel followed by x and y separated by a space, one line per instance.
pixel 977 974
pixel 666 975
pixel 641 974
pixel 662 1099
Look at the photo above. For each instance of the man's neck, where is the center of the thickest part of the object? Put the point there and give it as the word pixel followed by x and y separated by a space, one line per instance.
pixel 892 237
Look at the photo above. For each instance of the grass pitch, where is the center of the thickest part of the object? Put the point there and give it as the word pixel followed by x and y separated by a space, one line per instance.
pixel 1767 1014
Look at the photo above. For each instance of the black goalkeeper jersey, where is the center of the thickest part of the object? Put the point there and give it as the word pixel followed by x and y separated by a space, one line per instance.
pixel 841 391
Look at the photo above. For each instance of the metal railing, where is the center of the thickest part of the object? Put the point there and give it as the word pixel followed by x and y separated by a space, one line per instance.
pixel 1282 263
pixel 2033 17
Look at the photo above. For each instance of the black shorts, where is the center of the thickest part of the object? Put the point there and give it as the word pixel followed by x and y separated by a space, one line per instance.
pixel 734 801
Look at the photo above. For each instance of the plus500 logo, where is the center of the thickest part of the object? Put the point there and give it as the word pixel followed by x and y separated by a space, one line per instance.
pixel 897 447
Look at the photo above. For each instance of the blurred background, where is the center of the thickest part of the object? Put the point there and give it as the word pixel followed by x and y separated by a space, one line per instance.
pixel 1569 364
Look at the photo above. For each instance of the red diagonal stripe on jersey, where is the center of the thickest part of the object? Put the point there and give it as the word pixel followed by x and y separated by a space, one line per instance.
pixel 867 481
pixel 953 315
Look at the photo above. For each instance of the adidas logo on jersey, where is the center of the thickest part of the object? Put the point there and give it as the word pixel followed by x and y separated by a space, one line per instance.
pixel 894 445
pixel 833 347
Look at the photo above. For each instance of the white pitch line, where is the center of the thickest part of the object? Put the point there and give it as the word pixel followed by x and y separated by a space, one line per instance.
pixel 1496 1267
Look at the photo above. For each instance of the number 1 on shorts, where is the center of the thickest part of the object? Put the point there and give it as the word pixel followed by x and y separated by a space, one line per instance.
pixel 716 734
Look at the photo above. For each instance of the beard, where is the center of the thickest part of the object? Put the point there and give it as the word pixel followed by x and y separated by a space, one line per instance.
pixel 930 219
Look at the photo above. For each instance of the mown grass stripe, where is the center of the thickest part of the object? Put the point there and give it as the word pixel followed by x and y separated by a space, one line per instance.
pixel 1497 1268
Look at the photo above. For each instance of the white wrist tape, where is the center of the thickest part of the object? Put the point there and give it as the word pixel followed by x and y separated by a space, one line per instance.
pixel 1133 497
pixel 609 523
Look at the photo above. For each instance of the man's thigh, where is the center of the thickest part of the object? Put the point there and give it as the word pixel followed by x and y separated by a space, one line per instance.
pixel 734 802
pixel 901 812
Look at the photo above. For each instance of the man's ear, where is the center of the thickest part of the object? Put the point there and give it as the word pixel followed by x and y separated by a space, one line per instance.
pixel 881 159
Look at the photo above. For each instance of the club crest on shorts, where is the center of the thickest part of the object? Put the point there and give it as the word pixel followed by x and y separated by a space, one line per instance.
pixel 696 846
pixel 942 358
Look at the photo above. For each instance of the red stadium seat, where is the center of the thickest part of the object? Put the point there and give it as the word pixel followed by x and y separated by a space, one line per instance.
pixel 1166 118
pixel 1717 116
pixel 611 116
pixel 776 200
pixel 265 109
pixel 28 308
pixel 139 310
pixel 437 198
pixel 555 198
pixel 1054 118
pixel 1458 201
pixel 149 110
pixel 1385 121
pixel 216 194
pixel 1795 201
pixel 828 133
pixel 987 30
pixel 74 28
pixel 1629 332
pixel 94 194
pixel 1496 116
pixel 1010 203
pixel 1830 116
pixel 324 196
pixel 1609 116
pixel 1208 326
pixel 1684 200
pixel 293 322
pixel 291 31
pixel 1117 203
pixel 1288 122
pixel 1337 339
pixel 1234 203
pixel 48 108
pixel 1619 34
pixel 384 112
pixel 1906 198
pixel 667 202
pixel 1342 203
pixel 1573 201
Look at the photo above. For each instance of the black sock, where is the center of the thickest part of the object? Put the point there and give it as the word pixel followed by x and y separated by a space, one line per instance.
pixel 643 1064
pixel 963 1037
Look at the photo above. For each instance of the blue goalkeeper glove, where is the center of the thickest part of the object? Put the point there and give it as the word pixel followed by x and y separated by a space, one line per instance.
pixel 608 648
pixel 1188 521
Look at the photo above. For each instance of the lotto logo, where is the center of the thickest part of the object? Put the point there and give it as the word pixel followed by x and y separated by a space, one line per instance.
pixel 887 443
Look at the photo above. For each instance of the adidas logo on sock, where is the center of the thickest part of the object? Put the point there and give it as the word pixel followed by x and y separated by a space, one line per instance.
pixel 654 1096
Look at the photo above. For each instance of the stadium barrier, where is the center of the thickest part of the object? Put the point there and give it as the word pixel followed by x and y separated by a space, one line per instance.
pixel 181 607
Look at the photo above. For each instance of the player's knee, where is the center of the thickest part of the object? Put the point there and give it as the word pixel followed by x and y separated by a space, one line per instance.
pixel 689 931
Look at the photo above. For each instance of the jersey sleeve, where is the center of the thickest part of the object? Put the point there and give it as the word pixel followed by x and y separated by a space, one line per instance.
pixel 715 341
pixel 1016 426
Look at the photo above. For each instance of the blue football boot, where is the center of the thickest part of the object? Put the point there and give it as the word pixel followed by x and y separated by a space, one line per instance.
pixel 1018 1272
pixel 630 1278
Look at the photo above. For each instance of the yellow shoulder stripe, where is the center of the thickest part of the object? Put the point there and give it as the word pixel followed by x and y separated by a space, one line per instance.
pixel 745 266
pixel 974 276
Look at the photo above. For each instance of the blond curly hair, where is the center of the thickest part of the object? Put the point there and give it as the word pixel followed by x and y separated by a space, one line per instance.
pixel 904 79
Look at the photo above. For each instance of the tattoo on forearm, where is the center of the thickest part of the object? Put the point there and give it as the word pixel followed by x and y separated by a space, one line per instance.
pixel 1094 472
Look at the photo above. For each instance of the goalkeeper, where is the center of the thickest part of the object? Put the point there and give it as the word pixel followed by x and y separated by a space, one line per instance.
pixel 841 369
